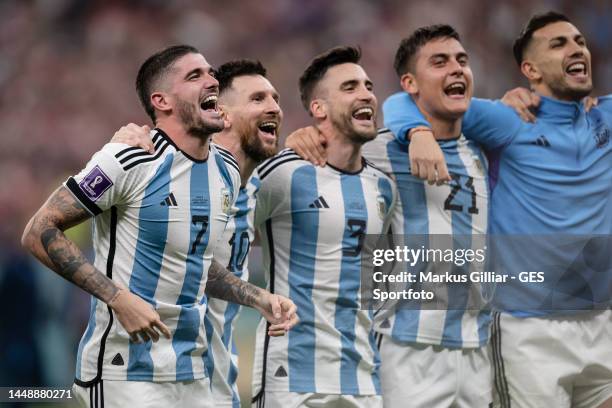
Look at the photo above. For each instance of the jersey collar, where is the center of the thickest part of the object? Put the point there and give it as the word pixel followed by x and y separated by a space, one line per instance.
pixel 555 109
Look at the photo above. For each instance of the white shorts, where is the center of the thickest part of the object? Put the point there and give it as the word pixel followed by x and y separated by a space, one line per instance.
pixel 552 361
pixel 144 394
pixel 420 375
pixel 279 399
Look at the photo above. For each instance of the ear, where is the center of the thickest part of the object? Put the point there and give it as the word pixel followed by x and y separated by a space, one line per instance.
pixel 409 83
pixel 225 114
pixel 161 101
pixel 318 109
pixel 531 71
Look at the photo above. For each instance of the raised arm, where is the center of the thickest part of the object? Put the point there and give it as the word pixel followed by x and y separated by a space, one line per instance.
pixel 408 125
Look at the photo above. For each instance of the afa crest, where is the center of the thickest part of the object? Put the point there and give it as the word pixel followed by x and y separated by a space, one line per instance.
pixel 601 131
pixel 226 200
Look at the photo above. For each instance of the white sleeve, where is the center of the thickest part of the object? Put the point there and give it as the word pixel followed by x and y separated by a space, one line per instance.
pixel 101 184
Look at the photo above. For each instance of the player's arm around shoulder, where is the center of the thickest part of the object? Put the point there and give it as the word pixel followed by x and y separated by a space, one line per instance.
pixel 602 103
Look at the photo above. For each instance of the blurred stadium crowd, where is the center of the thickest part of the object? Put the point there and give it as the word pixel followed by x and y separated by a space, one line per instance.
pixel 67 69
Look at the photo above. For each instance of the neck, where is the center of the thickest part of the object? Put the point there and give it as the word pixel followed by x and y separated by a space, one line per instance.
pixel 342 153
pixel 443 128
pixel 230 141
pixel 194 146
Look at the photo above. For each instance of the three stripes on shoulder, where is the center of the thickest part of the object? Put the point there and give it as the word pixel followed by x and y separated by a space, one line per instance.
pixel 133 156
pixel 284 156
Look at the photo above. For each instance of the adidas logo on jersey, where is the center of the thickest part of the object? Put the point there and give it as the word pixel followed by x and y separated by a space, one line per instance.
pixel 541 141
pixel 117 360
pixel 280 372
pixel 170 201
pixel 319 203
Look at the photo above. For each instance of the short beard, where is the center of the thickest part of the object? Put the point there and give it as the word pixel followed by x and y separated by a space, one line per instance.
pixel 345 126
pixel 572 94
pixel 254 148
pixel 193 124
pixel 561 89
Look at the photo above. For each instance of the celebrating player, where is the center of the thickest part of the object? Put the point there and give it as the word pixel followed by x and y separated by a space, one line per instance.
pixel 437 358
pixel 253 117
pixel 434 358
pixel 313 221
pixel 549 177
pixel 157 218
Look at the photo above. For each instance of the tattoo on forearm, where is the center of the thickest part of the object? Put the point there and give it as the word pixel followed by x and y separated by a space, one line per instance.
pixel 70 263
pixel 61 212
pixel 224 285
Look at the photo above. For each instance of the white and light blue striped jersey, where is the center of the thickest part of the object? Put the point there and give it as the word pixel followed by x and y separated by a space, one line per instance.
pixel 232 252
pixel 312 222
pixel 157 220
pixel 458 208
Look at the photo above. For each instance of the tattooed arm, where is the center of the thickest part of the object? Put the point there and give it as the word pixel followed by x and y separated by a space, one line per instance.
pixel 278 310
pixel 44 238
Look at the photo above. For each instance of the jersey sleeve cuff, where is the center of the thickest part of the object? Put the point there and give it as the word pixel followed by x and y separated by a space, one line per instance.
pixel 89 205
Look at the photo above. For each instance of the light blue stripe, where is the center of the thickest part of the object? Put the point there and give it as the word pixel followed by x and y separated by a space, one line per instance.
pixel 304 238
pixel 227 179
pixel 152 235
pixel 384 186
pixel 91 326
pixel 241 243
pixel 184 338
pixel 347 303
pixel 461 222
pixel 209 358
pixel 411 194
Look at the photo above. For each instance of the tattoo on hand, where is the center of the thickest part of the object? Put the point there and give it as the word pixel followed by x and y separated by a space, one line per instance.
pixel 224 285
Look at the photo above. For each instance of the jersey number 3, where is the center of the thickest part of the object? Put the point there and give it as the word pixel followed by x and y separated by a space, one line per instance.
pixel 355 239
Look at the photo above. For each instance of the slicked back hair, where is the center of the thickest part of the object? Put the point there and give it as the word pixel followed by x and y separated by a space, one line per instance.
pixel 410 46
pixel 226 73
pixel 317 68
pixel 154 68
pixel 535 23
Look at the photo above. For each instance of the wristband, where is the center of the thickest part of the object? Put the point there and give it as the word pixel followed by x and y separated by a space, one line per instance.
pixel 417 129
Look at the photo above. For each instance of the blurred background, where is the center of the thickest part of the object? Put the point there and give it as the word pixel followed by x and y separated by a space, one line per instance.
pixel 67 69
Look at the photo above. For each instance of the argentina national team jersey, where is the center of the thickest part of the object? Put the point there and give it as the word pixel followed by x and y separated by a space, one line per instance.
pixel 157 219
pixel 312 221
pixel 458 209
pixel 551 180
pixel 232 252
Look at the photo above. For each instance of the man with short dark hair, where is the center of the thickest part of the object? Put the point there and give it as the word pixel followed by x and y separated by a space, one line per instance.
pixel 437 357
pixel 313 223
pixel 157 219
pixel 551 340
